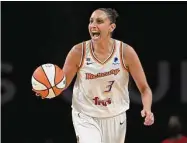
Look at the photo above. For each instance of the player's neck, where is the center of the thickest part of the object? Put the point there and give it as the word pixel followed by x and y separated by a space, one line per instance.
pixel 104 46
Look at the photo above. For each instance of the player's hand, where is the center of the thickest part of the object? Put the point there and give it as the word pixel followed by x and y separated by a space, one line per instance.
pixel 149 117
pixel 37 94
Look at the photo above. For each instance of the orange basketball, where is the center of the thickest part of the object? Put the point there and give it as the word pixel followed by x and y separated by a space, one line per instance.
pixel 48 81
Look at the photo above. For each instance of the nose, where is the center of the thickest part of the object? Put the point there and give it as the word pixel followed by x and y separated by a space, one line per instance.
pixel 93 25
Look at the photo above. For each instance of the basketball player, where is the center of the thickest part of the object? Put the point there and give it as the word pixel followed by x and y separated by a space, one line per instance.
pixel 175 131
pixel 100 94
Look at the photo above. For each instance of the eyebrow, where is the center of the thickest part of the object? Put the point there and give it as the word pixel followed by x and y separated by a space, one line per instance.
pixel 98 18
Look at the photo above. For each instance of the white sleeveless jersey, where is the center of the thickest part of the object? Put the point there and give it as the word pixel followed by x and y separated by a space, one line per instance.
pixel 101 89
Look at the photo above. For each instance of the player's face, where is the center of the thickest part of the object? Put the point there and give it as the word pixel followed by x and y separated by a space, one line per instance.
pixel 100 26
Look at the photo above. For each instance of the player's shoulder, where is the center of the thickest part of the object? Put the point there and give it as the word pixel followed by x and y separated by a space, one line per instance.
pixel 79 48
pixel 117 40
pixel 184 138
pixel 80 45
pixel 124 44
pixel 127 50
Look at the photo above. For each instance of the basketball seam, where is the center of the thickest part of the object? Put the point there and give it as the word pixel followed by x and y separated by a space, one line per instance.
pixel 47 77
pixel 49 81
pixel 59 81
pixel 57 87
pixel 42 84
pixel 54 80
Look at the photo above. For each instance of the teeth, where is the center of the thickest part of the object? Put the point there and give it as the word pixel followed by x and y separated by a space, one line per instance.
pixel 96 36
pixel 95 32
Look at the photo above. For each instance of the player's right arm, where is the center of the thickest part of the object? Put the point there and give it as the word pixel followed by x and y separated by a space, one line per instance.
pixel 72 63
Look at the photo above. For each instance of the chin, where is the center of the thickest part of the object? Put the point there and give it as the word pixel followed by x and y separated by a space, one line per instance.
pixel 96 40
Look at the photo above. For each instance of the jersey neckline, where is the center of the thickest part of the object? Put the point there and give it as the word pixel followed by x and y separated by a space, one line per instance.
pixel 108 58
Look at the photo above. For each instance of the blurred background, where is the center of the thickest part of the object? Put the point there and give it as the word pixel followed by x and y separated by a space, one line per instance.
pixel 34 33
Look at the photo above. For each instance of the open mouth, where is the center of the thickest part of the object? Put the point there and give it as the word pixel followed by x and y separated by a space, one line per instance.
pixel 95 34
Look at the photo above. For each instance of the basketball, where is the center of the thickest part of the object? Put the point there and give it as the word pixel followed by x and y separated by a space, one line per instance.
pixel 48 81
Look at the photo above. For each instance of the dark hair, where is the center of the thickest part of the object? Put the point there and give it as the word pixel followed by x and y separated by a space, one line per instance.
pixel 111 13
pixel 174 126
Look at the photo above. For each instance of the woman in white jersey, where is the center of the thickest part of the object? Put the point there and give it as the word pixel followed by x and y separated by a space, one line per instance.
pixel 100 95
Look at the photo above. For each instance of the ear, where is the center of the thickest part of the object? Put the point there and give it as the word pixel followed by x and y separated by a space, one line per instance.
pixel 112 27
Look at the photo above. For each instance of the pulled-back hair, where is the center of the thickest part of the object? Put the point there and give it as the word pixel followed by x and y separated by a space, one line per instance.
pixel 111 13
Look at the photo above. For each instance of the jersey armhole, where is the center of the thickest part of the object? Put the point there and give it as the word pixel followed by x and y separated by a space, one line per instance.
pixel 122 46
pixel 82 55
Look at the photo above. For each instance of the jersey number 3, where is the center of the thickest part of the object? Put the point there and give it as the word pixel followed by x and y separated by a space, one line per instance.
pixel 109 86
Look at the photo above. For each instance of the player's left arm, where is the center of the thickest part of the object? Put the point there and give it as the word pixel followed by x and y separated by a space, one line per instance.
pixel 133 63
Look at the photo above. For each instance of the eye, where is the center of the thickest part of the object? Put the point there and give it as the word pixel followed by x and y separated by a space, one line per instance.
pixel 91 20
pixel 99 21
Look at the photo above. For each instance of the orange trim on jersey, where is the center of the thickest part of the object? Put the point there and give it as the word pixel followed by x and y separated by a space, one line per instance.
pixel 97 60
pixel 83 54
pixel 121 57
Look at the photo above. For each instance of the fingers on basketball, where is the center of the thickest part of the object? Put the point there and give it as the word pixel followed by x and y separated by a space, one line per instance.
pixel 48 81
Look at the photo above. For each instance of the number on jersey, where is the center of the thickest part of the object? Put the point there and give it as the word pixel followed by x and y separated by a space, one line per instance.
pixel 109 86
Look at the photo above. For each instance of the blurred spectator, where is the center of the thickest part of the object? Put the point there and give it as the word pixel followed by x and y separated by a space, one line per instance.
pixel 175 131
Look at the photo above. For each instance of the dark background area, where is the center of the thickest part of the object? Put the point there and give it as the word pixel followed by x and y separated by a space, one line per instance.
pixel 34 33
